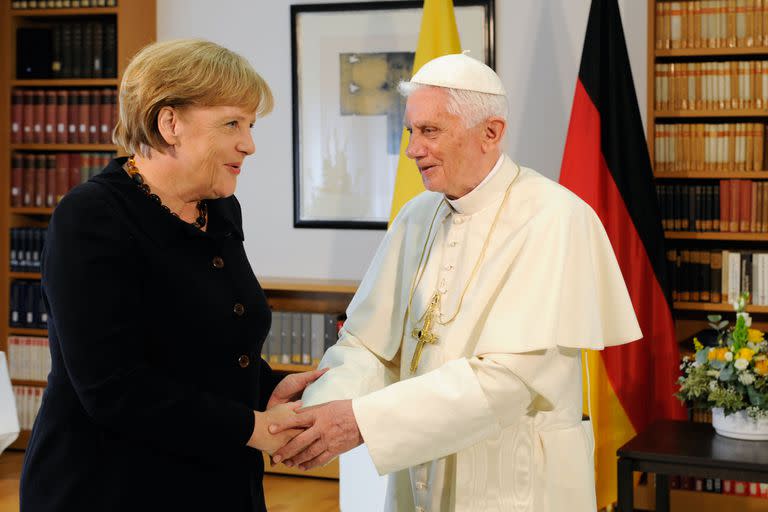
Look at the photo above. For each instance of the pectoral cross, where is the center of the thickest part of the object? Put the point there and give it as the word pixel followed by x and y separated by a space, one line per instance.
pixel 424 334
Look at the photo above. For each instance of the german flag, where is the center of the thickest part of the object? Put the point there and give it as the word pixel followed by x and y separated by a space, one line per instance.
pixel 606 163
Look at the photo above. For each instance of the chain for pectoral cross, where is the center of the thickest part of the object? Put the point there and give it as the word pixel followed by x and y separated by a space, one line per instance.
pixel 424 333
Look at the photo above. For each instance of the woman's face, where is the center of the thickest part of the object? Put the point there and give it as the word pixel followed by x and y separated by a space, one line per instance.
pixel 211 144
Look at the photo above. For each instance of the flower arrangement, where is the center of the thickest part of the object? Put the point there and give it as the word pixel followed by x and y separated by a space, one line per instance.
pixel 732 375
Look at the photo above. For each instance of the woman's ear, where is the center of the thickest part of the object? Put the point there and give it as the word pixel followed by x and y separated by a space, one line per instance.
pixel 168 125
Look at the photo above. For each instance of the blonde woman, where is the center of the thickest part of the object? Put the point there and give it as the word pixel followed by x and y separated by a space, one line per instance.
pixel 158 398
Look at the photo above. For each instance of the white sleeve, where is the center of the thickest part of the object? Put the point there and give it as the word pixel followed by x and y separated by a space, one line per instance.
pixel 355 371
pixel 463 402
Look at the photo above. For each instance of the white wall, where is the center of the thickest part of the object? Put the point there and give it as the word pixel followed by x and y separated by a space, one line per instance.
pixel 538 49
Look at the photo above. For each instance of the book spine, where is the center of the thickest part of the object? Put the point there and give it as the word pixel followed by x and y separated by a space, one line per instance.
pixel 61 116
pixel 17 116
pixel 17 169
pixel 38 117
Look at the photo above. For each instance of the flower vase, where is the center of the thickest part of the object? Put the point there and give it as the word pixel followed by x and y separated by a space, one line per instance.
pixel 739 426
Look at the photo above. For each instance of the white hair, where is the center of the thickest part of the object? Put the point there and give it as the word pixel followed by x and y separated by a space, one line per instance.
pixel 471 106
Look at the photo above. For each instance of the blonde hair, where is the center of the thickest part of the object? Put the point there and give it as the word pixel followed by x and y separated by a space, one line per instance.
pixel 182 73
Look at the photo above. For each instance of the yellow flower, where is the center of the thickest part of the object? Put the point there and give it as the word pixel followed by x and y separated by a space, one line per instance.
pixel 697 344
pixel 717 354
pixel 745 353
pixel 761 367
pixel 755 336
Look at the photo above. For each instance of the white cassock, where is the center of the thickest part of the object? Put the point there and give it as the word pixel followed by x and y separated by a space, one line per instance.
pixel 491 420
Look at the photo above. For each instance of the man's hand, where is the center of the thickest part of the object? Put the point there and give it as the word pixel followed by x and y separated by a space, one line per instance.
pixel 262 439
pixel 331 430
pixel 291 387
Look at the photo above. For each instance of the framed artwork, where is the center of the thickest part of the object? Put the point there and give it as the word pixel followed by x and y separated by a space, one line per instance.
pixel 347 59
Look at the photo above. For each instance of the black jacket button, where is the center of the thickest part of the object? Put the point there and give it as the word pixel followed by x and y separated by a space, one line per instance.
pixel 239 309
pixel 218 262
pixel 243 361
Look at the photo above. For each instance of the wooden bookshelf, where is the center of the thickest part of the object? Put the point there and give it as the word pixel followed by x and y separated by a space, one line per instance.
pixel 331 470
pixel 691 317
pixel 761 51
pixel 716 307
pixel 735 175
pixel 716 235
pixel 63 147
pixel 25 275
pixel 30 210
pixel 135 22
pixel 291 368
pixel 24 382
pixel 734 114
pixel 21 442
pixel 19 331
pixel 51 13
pixel 312 296
pixel 66 82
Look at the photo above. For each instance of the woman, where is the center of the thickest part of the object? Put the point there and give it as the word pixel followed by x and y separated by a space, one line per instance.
pixel 157 395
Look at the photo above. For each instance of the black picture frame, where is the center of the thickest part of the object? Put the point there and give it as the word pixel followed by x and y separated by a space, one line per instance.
pixel 334 191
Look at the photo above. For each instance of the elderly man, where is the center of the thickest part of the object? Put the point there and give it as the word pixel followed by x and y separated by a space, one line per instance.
pixel 459 365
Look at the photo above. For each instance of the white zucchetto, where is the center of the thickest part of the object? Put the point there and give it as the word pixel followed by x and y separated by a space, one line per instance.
pixel 460 71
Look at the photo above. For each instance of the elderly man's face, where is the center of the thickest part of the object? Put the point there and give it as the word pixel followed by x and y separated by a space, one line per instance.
pixel 445 152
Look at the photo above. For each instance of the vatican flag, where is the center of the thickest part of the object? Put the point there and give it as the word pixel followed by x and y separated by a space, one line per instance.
pixel 438 36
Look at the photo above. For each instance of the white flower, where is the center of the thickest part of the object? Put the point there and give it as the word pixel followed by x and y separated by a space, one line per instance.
pixel 713 385
pixel 741 364
pixel 729 356
pixel 746 378
pixel 747 318
pixel 713 373
pixel 686 359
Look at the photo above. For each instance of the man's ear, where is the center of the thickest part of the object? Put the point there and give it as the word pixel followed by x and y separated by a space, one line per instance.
pixel 493 133
pixel 168 125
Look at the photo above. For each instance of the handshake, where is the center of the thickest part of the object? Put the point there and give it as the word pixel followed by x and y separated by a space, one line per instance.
pixel 304 437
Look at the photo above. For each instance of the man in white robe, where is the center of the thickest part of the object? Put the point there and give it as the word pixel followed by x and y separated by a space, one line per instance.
pixel 520 277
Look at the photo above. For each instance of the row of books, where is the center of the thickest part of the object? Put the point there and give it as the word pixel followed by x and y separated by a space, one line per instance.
pixel 719 486
pixel 42 179
pixel 731 206
pixel 84 49
pixel 717 276
pixel 26 247
pixel 29 358
pixel 699 147
pixel 28 400
pixel 63 116
pixel 713 24
pixel 300 338
pixel 711 85
pixel 61 4
pixel 27 309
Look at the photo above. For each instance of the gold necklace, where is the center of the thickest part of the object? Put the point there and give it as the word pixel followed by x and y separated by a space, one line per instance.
pixel 424 334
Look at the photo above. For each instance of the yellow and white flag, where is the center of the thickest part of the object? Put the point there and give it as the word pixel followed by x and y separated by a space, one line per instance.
pixel 438 36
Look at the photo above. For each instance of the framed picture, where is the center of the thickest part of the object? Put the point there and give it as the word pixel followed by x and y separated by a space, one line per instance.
pixel 347 60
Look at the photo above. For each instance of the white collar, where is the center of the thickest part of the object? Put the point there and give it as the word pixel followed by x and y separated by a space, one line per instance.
pixel 483 195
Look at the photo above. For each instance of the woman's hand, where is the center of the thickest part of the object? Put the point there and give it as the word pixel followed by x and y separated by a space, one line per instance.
pixel 261 439
pixel 291 387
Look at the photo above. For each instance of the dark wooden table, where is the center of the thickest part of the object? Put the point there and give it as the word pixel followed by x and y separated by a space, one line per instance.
pixel 692 449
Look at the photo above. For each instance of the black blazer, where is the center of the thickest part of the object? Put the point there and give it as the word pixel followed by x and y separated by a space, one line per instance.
pixel 155 329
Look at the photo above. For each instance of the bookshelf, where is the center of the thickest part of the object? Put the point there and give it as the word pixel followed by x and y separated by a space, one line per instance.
pixel 309 296
pixel 134 25
pixel 681 38
pixel 700 76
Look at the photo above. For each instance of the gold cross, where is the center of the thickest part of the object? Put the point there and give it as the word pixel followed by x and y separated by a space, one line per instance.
pixel 425 334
